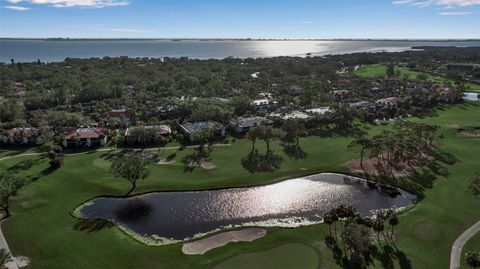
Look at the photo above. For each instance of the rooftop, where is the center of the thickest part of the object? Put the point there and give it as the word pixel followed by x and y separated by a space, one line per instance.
pixel 192 127
pixel 160 129
pixel 249 122
pixel 86 132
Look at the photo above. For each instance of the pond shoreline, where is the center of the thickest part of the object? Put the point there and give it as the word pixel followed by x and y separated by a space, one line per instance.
pixel 295 215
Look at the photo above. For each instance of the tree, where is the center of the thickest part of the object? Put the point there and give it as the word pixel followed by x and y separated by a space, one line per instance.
pixel 361 145
pixel 11 111
pixel 10 184
pixel 474 185
pixel 5 257
pixel 393 221
pixel 357 241
pixel 390 70
pixel 292 129
pixel 131 168
pixel 268 134
pixel 241 105
pixel 473 259
pixel 257 162
pixel 206 144
pixel 161 141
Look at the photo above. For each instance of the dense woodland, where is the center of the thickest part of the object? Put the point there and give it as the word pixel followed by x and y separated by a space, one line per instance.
pixel 77 91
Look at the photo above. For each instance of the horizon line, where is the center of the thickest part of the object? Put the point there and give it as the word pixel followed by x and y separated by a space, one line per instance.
pixel 247 38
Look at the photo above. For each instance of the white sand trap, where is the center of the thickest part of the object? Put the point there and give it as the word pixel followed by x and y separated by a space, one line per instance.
pixel 201 246
pixel 207 165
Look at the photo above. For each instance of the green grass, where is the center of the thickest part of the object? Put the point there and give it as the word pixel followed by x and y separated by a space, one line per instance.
pixel 379 70
pixel 41 227
pixel 291 255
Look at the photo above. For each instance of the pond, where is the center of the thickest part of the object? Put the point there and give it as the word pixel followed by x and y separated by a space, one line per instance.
pixel 167 217
pixel 472 96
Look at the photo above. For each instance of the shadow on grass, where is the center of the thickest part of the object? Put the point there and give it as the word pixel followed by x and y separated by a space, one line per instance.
pixel 25 165
pixel 92 225
pixel 434 165
pixel 387 255
pixel 338 132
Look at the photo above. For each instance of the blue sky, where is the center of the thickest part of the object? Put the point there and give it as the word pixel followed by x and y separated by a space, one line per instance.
pixel 240 19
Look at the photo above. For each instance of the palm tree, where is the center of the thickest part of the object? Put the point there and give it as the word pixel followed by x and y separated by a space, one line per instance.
pixel 328 219
pixel 393 221
pixel 362 145
pixel 378 227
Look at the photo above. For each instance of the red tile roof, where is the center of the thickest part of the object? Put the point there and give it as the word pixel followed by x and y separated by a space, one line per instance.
pixel 84 133
pixel 23 131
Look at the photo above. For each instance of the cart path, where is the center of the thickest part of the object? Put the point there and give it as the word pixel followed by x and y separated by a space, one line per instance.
pixel 4 245
pixel 456 255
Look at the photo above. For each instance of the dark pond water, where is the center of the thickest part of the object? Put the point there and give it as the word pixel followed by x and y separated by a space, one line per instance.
pixel 182 215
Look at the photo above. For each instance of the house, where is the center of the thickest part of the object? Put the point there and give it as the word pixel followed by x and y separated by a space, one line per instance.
pixel 151 131
pixel 292 115
pixel 191 129
pixel 242 125
pixel 363 105
pixel 85 137
pixel 391 101
pixel 265 104
pixel 121 116
pixel 23 135
pixel 296 90
pixel 320 110
pixel 167 110
pixel 341 94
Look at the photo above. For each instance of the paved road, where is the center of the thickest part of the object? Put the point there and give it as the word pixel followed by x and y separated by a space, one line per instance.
pixel 4 245
pixel 456 255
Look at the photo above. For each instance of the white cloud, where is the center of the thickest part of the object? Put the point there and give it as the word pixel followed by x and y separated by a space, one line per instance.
pixel 18 8
pixel 443 3
pixel 75 3
pixel 455 13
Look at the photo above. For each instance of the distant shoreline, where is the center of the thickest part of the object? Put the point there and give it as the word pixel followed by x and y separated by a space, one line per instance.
pixel 240 39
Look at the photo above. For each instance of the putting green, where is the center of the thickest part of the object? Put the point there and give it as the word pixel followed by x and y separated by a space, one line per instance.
pixel 288 256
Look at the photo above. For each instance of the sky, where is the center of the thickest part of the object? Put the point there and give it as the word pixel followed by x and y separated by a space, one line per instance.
pixel 415 19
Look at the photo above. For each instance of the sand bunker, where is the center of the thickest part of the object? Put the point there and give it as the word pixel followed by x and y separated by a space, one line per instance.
pixel 207 165
pixel 201 246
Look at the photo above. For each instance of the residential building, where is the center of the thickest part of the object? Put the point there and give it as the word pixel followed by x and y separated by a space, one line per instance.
pixel 242 125
pixel 265 104
pixel 23 135
pixel 320 110
pixel 151 131
pixel 390 101
pixel 85 137
pixel 364 105
pixel 191 129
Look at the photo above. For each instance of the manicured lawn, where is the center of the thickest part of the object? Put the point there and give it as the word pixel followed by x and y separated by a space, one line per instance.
pixel 379 70
pixel 42 228
pixel 291 255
